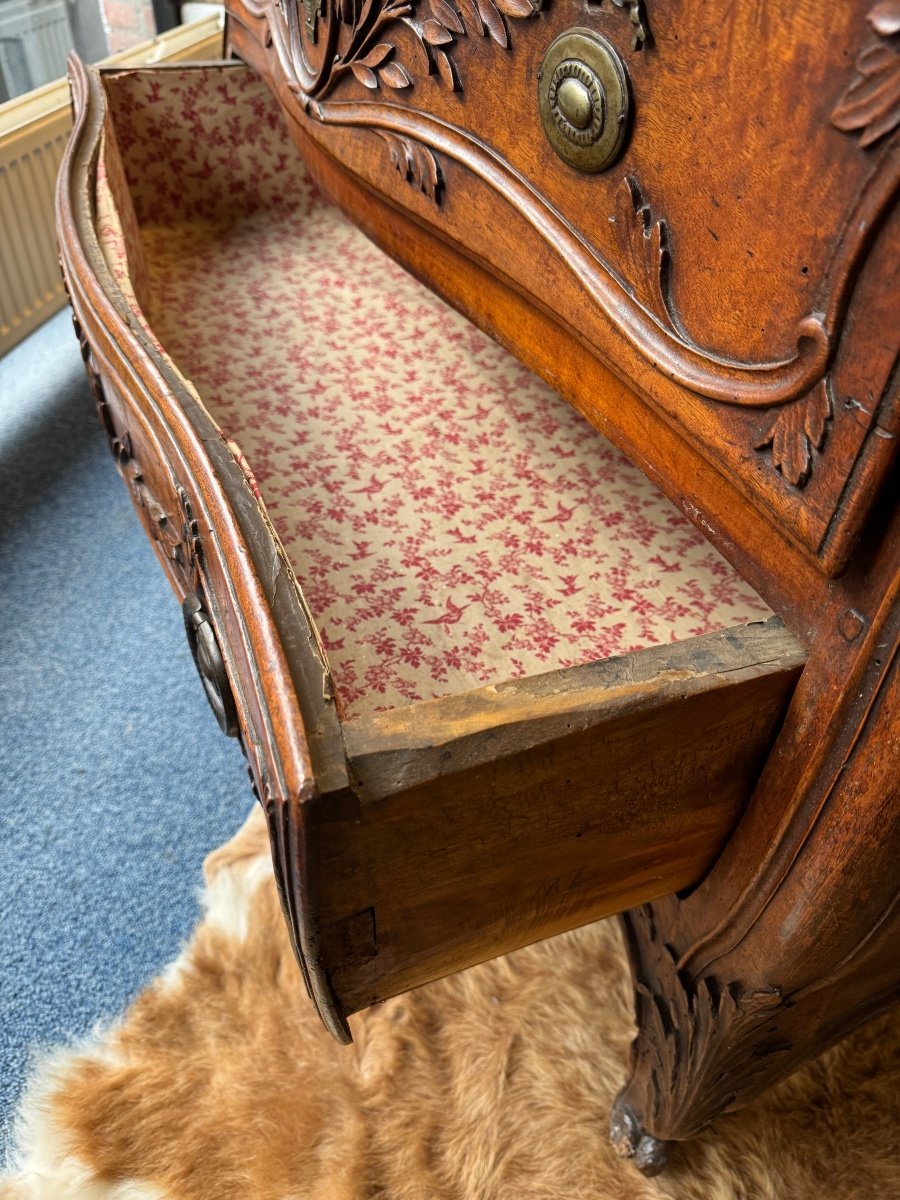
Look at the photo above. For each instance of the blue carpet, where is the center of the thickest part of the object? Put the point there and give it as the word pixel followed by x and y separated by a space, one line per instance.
pixel 114 778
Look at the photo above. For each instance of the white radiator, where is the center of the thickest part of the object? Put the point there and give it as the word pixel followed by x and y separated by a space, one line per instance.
pixel 33 132
pixel 30 284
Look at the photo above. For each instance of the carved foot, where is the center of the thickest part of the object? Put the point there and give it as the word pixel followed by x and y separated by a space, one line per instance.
pixel 646 1152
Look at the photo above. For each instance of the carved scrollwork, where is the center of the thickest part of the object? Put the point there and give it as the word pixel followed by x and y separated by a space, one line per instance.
pixel 796 431
pixel 172 534
pixel 640 306
pixel 165 532
pixel 871 104
pixel 95 383
pixel 357 41
pixel 191 555
pixel 177 536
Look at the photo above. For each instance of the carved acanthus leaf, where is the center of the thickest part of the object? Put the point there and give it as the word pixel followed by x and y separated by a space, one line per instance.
pixel 871 104
pixel 644 247
pixel 415 163
pixel 797 431
pixel 711 1020
pixel 693 1046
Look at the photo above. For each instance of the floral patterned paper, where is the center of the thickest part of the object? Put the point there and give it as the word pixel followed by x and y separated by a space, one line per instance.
pixel 451 521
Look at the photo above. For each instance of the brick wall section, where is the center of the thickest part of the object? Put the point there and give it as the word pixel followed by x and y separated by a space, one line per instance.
pixel 127 22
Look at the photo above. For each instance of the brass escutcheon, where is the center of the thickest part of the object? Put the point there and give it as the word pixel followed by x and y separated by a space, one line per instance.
pixel 584 100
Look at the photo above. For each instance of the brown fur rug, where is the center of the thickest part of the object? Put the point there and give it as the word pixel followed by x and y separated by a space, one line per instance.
pixel 494 1084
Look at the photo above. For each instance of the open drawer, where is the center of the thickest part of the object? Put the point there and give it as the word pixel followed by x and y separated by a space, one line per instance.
pixel 490 683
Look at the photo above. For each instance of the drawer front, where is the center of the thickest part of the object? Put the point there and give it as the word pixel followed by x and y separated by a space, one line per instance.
pixel 731 248
pixel 244 617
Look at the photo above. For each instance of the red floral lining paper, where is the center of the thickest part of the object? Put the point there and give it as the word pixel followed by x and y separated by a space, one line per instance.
pixel 452 522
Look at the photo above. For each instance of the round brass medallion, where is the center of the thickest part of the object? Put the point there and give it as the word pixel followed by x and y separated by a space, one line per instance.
pixel 584 100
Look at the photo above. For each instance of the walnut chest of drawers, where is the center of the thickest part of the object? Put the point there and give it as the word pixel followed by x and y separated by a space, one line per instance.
pixel 493 676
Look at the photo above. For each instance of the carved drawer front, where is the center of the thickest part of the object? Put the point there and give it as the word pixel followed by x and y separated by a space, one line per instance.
pixel 704 194
pixel 538 695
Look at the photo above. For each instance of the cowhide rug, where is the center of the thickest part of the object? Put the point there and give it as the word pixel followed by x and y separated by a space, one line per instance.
pixel 495 1084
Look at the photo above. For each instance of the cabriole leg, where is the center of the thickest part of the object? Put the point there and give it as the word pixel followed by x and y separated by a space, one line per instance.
pixel 792 939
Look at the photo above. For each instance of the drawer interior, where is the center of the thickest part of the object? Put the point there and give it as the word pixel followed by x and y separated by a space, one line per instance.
pixel 451 522
pixel 554 695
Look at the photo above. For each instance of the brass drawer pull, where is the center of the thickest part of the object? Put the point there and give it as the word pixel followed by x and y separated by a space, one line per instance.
pixel 208 661
pixel 584 100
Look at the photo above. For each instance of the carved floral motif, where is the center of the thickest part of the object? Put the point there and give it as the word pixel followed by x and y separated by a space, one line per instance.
pixel 871 104
pixel 360 24
pixel 357 37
